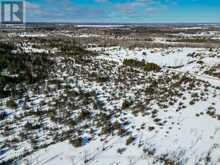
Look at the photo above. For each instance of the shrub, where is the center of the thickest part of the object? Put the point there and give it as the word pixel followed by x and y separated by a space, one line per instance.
pixel 130 140
pixel 211 112
pixel 11 104
pixel 192 102
pixel 151 67
pixel 121 150
pixel 133 63
pixel 126 104
pixel 106 130
pixel 30 126
pixel 141 64
pixel 122 132
pixel 116 125
pixel 151 128
pixel 84 114
pixel 102 78
pixel 3 115
pixel 76 142
pixel 200 62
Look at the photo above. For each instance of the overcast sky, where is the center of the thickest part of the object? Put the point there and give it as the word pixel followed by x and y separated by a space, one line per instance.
pixel 123 11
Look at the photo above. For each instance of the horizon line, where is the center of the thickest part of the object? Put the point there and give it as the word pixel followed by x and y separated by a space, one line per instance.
pixel 121 22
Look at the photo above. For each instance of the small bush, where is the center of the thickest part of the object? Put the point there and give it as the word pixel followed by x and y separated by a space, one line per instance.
pixel 121 150
pixel 84 114
pixel 106 130
pixel 211 112
pixel 192 102
pixel 102 78
pixel 122 132
pixel 76 142
pixel 3 115
pixel 130 140
pixel 151 128
pixel 30 126
pixel 11 104
pixel 126 104
pixel 116 125
pixel 200 62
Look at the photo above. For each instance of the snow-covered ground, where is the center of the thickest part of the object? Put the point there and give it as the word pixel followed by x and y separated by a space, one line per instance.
pixel 124 114
pixel 171 57
pixel 189 136
pixel 36 35
pixel 211 34
pixel 162 57
pixel 186 137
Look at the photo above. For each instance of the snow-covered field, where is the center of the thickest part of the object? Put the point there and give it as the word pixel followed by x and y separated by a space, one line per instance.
pixel 189 136
pixel 186 59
